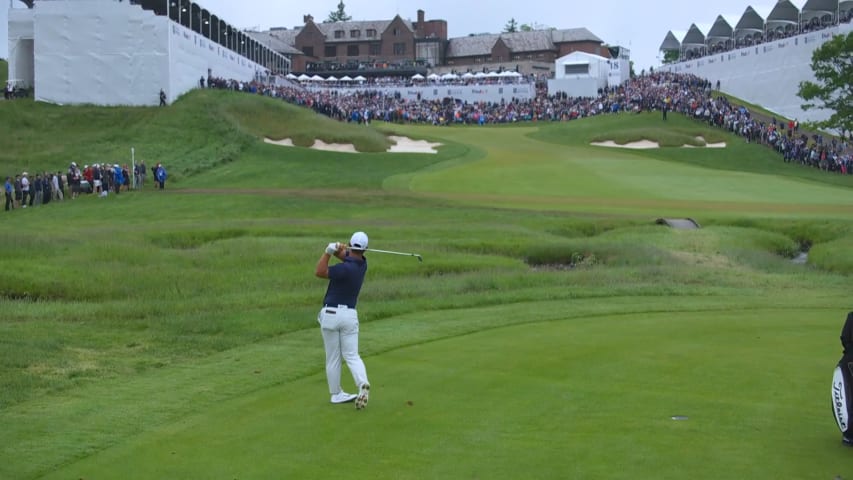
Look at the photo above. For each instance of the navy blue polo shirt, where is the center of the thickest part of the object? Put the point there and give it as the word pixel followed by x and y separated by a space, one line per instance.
pixel 345 281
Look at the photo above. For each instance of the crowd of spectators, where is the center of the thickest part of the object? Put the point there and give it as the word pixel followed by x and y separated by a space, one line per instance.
pixel 23 191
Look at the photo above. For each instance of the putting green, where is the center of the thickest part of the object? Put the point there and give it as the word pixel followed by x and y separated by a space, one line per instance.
pixel 580 398
pixel 508 168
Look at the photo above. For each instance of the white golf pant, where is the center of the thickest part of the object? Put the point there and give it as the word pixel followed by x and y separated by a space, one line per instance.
pixel 340 337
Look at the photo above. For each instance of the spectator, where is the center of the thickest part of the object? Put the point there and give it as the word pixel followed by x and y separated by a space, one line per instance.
pixel 160 175
pixel 58 186
pixel 162 98
pixel 10 190
pixel 25 190
pixel 18 191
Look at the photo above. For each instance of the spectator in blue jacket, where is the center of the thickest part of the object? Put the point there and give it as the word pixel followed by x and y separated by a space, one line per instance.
pixel 118 178
pixel 160 175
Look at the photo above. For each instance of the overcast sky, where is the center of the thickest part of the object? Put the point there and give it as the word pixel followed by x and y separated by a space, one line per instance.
pixel 638 25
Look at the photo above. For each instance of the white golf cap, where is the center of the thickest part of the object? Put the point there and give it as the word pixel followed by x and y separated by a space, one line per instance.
pixel 358 241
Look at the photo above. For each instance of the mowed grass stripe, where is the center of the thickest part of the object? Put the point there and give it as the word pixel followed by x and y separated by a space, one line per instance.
pixel 518 166
pixel 507 402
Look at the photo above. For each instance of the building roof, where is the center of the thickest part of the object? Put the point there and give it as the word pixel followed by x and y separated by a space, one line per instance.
pixel 362 27
pixel 272 41
pixel 784 13
pixel 518 42
pixel 670 43
pixel 819 8
pixel 694 37
pixel 568 35
pixel 823 6
pixel 720 31
pixel 751 21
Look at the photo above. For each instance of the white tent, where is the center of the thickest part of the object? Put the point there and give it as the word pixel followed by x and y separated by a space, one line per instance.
pixel 332 78
pixel 579 74
pixel 467 75
pixel 291 76
pixel 433 76
pixel 509 74
pixel 359 78
pixel 417 76
pixel 317 78
pixel 303 78
pixel 493 75
pixel 479 75
pixel 346 78
pixel 449 76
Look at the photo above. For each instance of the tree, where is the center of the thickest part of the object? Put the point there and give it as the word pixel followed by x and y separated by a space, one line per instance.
pixel 525 27
pixel 339 15
pixel 511 26
pixel 670 56
pixel 832 64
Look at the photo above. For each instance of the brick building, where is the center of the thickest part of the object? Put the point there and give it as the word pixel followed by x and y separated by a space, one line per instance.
pixel 404 47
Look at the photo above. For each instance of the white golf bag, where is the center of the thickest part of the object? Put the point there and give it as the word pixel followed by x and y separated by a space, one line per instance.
pixel 842 384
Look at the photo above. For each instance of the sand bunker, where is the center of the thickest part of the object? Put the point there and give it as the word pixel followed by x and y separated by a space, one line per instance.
pixel 709 145
pixel 334 147
pixel 284 143
pixel 403 145
pixel 642 144
pixel 407 145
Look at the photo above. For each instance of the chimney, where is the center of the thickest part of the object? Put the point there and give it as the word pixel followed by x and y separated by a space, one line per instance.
pixel 420 17
pixel 307 18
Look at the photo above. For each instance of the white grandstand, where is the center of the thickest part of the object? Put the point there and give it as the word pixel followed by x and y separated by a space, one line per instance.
pixel 111 52
pixel 763 59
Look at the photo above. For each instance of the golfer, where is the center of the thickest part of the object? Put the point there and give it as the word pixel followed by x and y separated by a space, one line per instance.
pixel 338 317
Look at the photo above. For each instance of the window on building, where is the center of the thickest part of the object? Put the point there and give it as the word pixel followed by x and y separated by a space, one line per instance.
pixel 354 33
pixel 577 69
pixel 352 50
pixel 371 33
pixel 396 32
pixel 331 50
pixel 339 34
pixel 308 51
pixel 400 48
pixel 376 49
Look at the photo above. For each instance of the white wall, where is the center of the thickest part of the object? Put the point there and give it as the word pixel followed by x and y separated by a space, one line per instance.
pixel 191 55
pixel 4 28
pixel 112 53
pixel 102 53
pixel 581 87
pixel 21 46
pixel 769 74
pixel 465 93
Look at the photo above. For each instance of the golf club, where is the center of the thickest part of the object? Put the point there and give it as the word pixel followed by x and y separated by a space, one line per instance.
pixel 420 258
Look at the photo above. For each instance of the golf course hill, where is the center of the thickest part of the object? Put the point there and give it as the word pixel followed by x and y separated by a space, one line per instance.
pixel 206 128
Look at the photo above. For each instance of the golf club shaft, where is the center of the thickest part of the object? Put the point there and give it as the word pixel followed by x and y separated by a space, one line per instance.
pixel 396 253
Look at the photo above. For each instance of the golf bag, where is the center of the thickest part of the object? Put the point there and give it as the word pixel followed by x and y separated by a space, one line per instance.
pixel 842 384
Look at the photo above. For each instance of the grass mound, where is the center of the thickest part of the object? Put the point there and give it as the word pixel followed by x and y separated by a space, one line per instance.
pixel 201 130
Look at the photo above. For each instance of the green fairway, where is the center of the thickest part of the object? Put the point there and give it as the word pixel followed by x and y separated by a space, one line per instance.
pixel 515 398
pixel 552 331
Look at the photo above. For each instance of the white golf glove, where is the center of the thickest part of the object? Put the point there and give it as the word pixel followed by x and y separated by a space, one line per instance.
pixel 332 248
